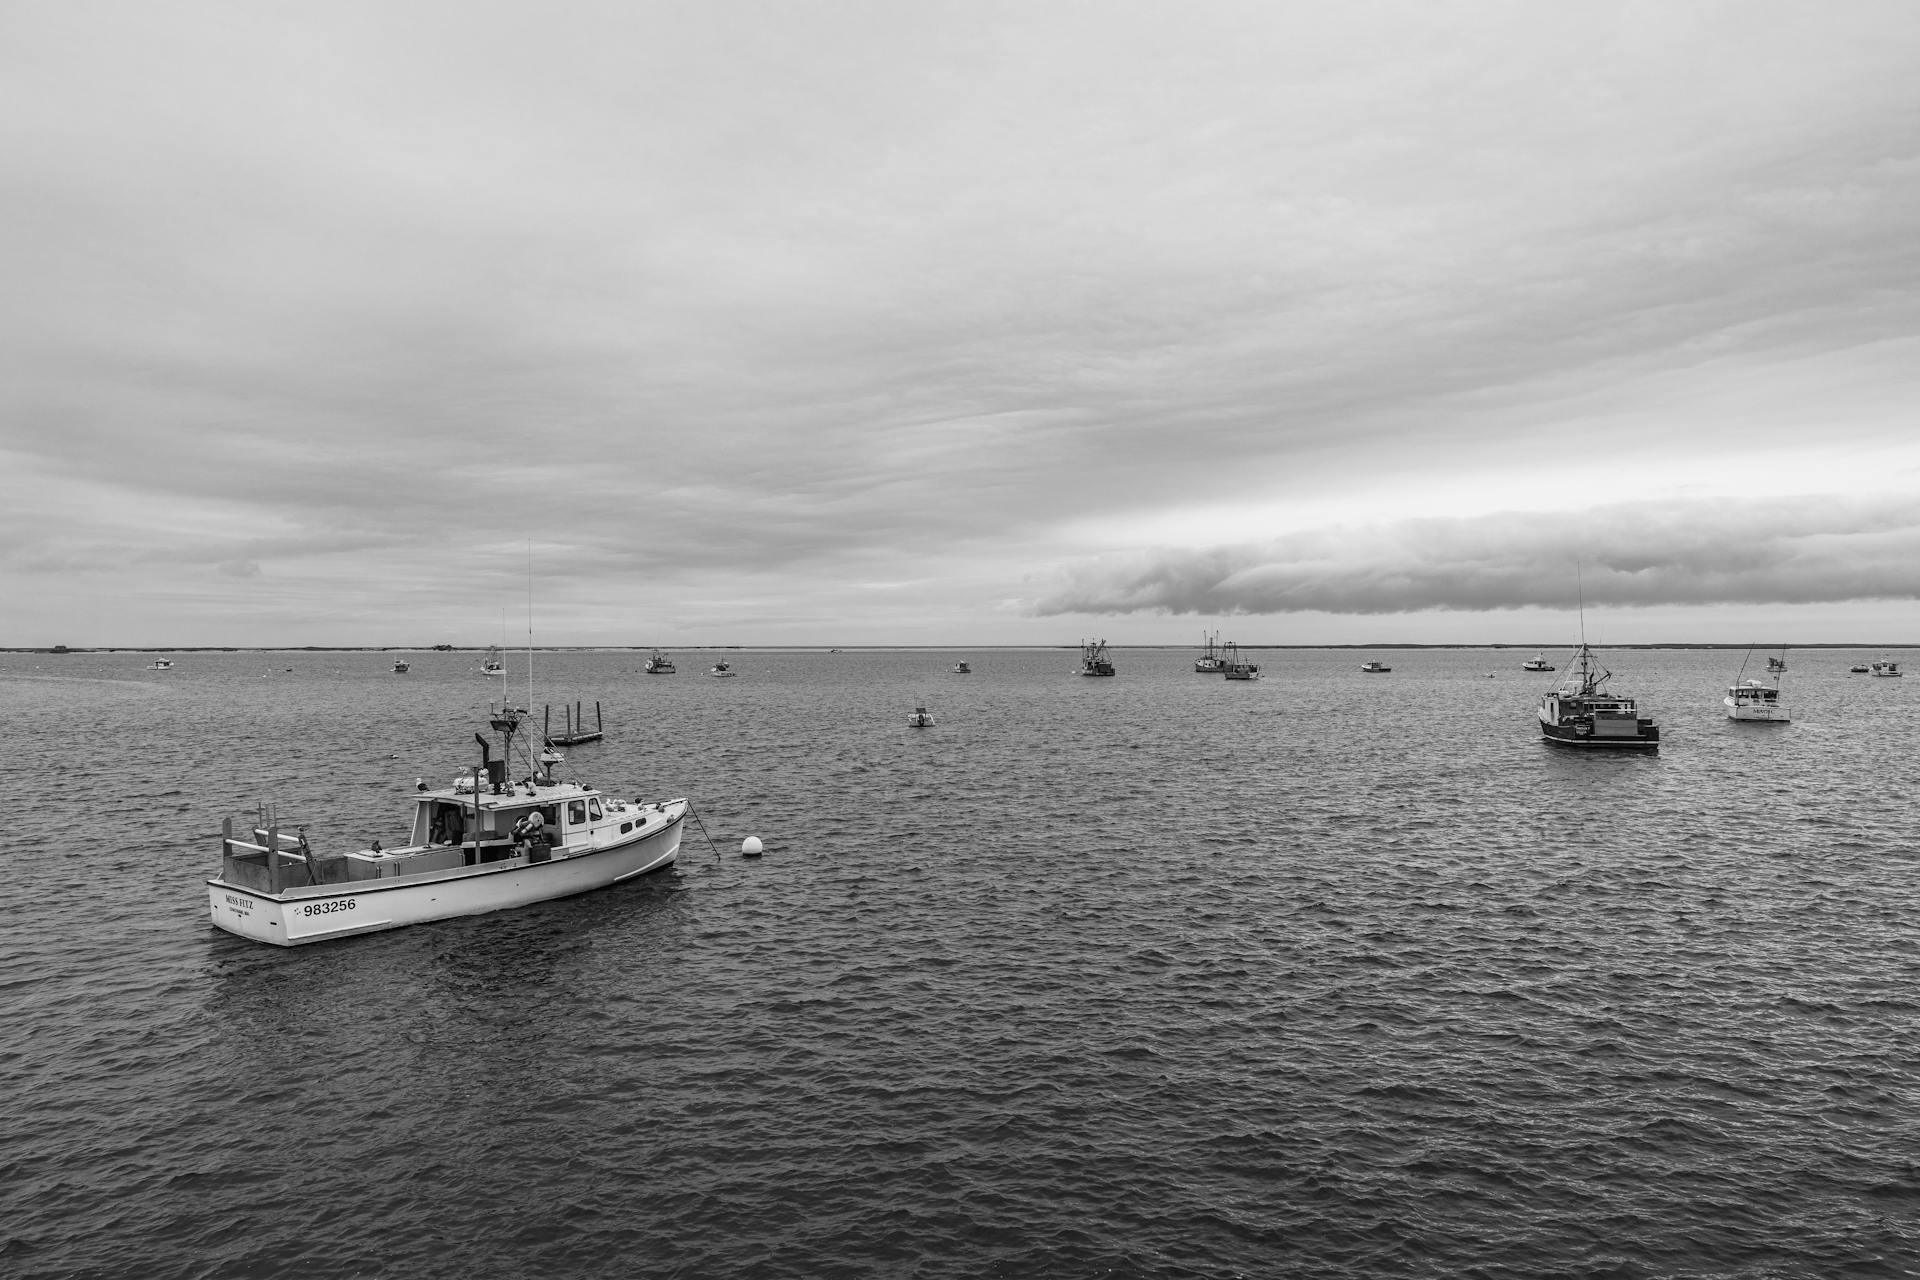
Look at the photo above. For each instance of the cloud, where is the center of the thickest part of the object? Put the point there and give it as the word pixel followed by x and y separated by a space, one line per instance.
pixel 241 568
pixel 1783 551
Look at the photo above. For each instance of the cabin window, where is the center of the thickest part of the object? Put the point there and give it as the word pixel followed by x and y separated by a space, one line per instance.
pixel 593 808
pixel 576 813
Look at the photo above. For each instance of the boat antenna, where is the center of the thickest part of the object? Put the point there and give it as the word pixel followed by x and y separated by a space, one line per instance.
pixel 1743 665
pixel 1580 595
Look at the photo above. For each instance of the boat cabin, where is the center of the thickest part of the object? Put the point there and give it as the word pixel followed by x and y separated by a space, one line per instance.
pixel 1753 693
pixel 1593 716
pixel 446 836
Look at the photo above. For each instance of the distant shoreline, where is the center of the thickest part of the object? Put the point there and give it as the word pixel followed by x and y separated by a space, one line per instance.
pixel 883 648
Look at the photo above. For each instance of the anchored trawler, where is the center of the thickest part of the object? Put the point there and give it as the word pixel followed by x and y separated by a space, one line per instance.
pixel 482 844
pixel 1581 713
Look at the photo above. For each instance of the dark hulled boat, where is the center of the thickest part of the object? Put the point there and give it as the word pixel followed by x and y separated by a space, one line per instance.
pixel 1581 713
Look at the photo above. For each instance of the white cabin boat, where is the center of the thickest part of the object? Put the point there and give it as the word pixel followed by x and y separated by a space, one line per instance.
pixel 1537 663
pixel 962 668
pixel 1886 668
pixel 491 665
pixel 1755 700
pixel 920 719
pixel 401 666
pixel 161 664
pixel 722 668
pixel 1374 664
pixel 473 849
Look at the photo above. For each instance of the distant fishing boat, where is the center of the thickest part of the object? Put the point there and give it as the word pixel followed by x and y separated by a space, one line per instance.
pixel 722 668
pixel 1093 658
pixel 1374 664
pixel 961 668
pixel 482 844
pixel 401 666
pixel 1886 668
pixel 491 665
pixel 1858 668
pixel 1235 667
pixel 161 664
pixel 659 664
pixel 920 719
pixel 1209 662
pixel 1777 664
pixel 1537 663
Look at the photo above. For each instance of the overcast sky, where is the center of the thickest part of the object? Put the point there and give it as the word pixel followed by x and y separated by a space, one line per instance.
pixel 899 322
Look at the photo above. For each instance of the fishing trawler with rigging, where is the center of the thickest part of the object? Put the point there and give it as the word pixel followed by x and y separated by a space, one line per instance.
pixel 1093 658
pixel 1210 662
pixel 1579 712
pixel 481 844
pixel 491 665
pixel 659 664
pixel 1235 667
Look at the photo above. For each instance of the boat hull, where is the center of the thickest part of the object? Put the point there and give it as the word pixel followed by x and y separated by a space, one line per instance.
pixel 319 914
pixel 1569 735
pixel 1757 715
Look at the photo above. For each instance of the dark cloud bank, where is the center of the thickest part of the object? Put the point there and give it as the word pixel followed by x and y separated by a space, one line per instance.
pixel 1779 551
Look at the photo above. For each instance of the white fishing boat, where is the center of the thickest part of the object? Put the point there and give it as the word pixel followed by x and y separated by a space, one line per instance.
pixel 1374 665
pixel 1886 668
pixel 1093 658
pixel 1581 713
pixel 401 666
pixel 161 664
pixel 920 719
pixel 722 668
pixel 1210 662
pixel 491 665
pixel 659 664
pixel 1757 700
pixel 962 669
pixel 476 846
pixel 1537 663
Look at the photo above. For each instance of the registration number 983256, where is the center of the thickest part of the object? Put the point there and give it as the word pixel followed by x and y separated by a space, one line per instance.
pixel 328 907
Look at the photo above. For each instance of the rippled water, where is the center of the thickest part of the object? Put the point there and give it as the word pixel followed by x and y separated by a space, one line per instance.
pixel 1331 974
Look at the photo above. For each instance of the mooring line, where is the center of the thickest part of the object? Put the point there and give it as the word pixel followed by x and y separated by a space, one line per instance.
pixel 695 814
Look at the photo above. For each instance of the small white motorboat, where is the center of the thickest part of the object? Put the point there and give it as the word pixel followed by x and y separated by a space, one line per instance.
pixel 1374 664
pixel 401 666
pixel 161 664
pixel 1537 663
pixel 1886 668
pixel 920 719
pixel 722 668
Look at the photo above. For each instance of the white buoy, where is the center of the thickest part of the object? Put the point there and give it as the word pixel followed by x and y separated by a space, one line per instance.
pixel 750 847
